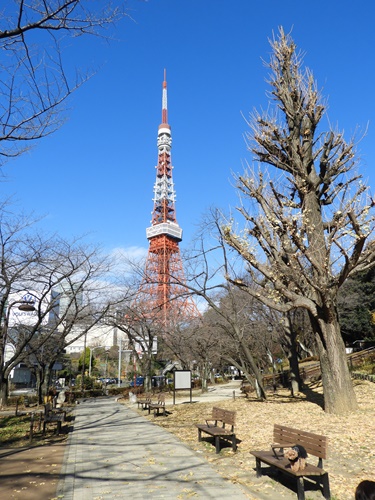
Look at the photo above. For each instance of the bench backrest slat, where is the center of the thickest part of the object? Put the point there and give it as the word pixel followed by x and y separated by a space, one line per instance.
pixel 315 444
pixel 225 416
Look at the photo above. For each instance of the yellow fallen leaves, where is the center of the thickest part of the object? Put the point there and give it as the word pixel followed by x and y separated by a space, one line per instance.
pixel 351 456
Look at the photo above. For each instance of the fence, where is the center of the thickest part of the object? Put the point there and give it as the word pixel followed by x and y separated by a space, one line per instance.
pixel 313 369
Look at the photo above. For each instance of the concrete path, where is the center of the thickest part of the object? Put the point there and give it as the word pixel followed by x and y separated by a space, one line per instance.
pixel 113 452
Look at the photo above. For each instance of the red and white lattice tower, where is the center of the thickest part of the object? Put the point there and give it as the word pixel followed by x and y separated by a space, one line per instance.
pixel 164 286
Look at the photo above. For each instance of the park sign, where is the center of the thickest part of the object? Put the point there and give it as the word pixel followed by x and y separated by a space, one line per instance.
pixel 181 381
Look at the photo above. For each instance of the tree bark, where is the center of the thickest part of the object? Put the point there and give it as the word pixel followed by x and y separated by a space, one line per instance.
pixel 39 384
pixel 339 396
pixel 295 377
pixel 4 391
pixel 261 393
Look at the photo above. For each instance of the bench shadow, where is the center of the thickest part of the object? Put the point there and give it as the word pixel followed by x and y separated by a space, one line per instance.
pixel 161 414
pixel 224 443
pixel 289 481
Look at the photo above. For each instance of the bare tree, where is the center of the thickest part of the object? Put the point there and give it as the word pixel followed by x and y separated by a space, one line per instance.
pixel 140 328
pixel 49 289
pixel 207 267
pixel 34 82
pixel 195 346
pixel 308 220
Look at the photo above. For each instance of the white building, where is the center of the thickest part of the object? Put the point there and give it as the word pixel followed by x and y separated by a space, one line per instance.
pixel 99 335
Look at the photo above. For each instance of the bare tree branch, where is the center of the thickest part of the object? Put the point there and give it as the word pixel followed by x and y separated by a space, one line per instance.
pixel 34 82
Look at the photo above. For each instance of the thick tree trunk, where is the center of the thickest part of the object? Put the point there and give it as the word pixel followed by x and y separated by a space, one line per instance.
pixel 259 387
pixel 147 370
pixel 291 336
pixel 4 391
pixel 339 395
pixel 295 377
pixel 39 384
pixel 206 368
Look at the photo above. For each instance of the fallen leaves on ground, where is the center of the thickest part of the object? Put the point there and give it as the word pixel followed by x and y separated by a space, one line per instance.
pixel 351 437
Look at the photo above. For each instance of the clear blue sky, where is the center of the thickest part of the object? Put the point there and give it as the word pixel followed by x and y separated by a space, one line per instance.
pixel 95 176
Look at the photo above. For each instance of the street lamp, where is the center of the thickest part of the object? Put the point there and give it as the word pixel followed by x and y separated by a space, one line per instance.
pixel 91 350
pixel 119 362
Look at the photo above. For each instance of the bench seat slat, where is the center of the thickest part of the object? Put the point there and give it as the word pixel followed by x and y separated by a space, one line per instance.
pixel 215 431
pixel 283 464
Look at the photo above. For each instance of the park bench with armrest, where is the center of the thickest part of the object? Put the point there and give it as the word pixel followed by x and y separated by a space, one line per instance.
pixel 53 415
pixel 216 427
pixel 314 444
pixel 159 406
pixel 144 400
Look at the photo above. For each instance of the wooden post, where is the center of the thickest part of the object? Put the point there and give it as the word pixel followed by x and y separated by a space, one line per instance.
pixel 31 426
pixel 40 421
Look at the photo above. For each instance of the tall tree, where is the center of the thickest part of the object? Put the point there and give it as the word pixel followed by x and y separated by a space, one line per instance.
pixel 34 81
pixel 308 216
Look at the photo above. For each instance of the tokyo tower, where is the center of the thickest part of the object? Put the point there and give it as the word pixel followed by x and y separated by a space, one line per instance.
pixel 164 286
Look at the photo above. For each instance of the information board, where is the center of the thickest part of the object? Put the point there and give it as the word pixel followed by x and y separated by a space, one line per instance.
pixel 182 381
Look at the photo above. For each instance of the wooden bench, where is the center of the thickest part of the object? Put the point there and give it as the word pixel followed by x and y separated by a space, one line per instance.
pixel 216 427
pixel 159 406
pixel 145 400
pixel 314 444
pixel 53 415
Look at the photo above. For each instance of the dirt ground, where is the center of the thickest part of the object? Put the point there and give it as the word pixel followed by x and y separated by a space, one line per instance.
pixel 33 474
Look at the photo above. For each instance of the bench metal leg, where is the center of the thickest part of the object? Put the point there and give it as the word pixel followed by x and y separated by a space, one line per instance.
pixel 326 490
pixel 217 444
pixel 199 434
pixel 234 443
pixel 300 488
pixel 258 467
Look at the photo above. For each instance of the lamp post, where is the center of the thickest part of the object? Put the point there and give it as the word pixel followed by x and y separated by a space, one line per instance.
pixel 91 350
pixel 120 351
pixel 83 363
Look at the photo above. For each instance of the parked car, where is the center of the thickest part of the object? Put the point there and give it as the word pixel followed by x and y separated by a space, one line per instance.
pixel 138 382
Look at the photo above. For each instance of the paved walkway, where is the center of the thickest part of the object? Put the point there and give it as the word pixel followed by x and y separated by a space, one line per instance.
pixel 113 452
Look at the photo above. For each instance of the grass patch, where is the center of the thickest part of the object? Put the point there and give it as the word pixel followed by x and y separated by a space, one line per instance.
pixel 15 431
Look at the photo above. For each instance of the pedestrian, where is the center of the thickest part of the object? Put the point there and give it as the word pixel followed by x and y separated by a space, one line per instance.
pixel 365 490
